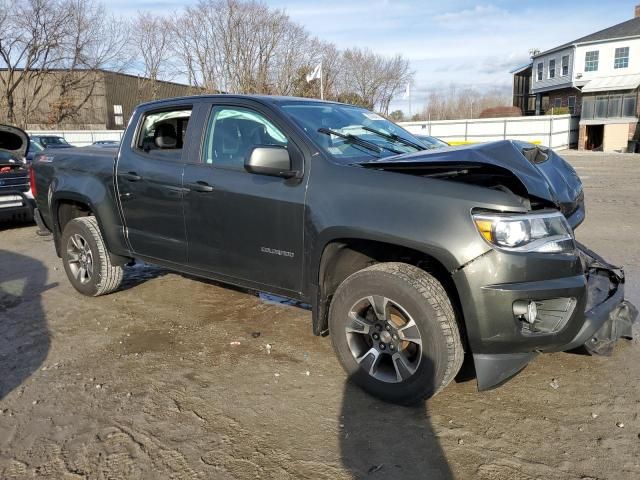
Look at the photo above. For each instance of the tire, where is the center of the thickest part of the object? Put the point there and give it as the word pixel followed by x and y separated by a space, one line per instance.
pixel 82 246
pixel 409 369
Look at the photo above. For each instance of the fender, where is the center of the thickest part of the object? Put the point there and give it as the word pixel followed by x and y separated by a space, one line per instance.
pixel 338 235
pixel 99 204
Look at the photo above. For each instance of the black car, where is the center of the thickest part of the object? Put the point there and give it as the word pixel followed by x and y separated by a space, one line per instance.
pixel 105 144
pixel 51 141
pixel 34 149
pixel 16 199
pixel 411 258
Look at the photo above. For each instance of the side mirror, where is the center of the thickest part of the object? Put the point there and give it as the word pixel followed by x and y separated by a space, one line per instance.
pixel 271 160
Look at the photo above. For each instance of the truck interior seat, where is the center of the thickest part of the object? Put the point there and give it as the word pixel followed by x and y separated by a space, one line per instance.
pixel 165 136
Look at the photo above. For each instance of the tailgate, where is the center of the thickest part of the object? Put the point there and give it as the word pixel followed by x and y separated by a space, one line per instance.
pixel 14 179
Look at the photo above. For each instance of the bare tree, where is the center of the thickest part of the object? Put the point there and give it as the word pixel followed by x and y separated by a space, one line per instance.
pixel 373 78
pixel 150 37
pixel 93 41
pixel 461 102
pixel 31 36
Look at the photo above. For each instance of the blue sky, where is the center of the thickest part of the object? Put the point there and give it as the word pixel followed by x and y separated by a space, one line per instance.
pixel 470 43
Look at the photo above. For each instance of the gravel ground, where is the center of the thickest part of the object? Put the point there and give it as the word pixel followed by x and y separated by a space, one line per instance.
pixel 173 377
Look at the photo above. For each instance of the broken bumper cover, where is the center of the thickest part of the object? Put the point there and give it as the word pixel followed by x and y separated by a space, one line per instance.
pixel 608 315
pixel 583 306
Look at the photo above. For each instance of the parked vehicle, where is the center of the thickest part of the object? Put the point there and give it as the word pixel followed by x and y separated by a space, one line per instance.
pixel 34 149
pixel 409 257
pixel 106 144
pixel 432 142
pixel 51 141
pixel 16 200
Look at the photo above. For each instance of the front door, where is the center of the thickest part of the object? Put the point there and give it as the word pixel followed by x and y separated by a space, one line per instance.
pixel 149 179
pixel 242 225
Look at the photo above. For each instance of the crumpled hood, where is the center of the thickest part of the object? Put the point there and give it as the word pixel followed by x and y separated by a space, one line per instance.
pixel 14 141
pixel 542 172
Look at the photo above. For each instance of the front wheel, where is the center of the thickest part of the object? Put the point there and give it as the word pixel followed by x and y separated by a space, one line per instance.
pixel 394 330
pixel 86 260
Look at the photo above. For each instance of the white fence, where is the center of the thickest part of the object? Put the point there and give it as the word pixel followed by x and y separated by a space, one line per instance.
pixel 82 138
pixel 556 131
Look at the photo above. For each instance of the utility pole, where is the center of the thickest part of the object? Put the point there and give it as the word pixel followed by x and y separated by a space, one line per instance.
pixel 321 82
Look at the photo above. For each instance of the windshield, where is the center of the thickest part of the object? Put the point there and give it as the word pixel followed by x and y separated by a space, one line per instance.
pixel 34 146
pixel 53 141
pixel 351 134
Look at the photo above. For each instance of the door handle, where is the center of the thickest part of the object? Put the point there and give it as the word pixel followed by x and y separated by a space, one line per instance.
pixel 131 176
pixel 200 186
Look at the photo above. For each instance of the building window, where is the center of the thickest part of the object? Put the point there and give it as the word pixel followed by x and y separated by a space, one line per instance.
pixel 571 103
pixel 621 59
pixel 565 65
pixel 557 102
pixel 540 68
pixel 117 115
pixel 609 106
pixel 591 61
pixel 552 68
pixel 629 106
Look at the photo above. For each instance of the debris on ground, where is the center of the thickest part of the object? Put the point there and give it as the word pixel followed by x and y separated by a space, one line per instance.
pixel 235 343
pixel 554 384
pixel 255 334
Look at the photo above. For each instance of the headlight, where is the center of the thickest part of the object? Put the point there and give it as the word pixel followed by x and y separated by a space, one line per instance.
pixel 539 232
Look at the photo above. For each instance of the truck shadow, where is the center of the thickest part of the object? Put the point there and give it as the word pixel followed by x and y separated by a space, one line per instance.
pixel 382 440
pixel 24 336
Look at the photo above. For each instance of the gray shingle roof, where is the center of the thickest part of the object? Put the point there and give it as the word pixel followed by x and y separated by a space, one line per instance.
pixel 630 28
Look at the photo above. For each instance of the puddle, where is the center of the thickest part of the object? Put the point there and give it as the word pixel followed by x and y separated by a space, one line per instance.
pixel 149 341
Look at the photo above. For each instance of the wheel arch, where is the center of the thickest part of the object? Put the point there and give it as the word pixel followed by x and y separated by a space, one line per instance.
pixel 342 256
pixel 65 206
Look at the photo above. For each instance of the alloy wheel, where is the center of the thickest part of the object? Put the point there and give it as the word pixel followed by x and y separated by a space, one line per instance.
pixel 80 258
pixel 384 339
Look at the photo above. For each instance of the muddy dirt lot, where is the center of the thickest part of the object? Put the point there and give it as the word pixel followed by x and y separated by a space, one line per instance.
pixel 146 382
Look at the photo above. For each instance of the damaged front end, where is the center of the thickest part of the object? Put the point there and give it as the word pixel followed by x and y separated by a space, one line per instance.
pixel 608 316
pixel 518 302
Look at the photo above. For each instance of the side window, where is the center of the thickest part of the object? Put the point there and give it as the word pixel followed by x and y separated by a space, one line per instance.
pixel 162 133
pixel 233 132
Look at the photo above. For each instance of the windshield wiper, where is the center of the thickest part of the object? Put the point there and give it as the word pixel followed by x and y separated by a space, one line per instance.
pixel 394 138
pixel 353 139
pixel 359 141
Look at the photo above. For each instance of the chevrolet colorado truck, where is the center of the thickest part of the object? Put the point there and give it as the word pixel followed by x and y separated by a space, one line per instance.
pixel 411 258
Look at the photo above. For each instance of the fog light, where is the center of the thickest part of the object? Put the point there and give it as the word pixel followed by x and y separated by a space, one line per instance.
pixel 544 316
pixel 526 310
pixel 532 312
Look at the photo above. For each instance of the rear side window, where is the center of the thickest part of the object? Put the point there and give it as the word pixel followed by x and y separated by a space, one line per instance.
pixel 162 134
pixel 232 134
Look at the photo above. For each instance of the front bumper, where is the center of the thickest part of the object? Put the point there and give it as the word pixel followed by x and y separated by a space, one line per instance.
pixel 580 295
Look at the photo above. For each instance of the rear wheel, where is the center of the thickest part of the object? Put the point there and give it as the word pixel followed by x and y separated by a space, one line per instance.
pixel 394 331
pixel 86 260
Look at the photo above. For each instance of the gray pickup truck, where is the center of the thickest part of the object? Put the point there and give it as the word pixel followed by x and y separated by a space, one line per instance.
pixel 409 257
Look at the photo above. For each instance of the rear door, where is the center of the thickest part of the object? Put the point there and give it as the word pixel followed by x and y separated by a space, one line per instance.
pixel 244 226
pixel 149 179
